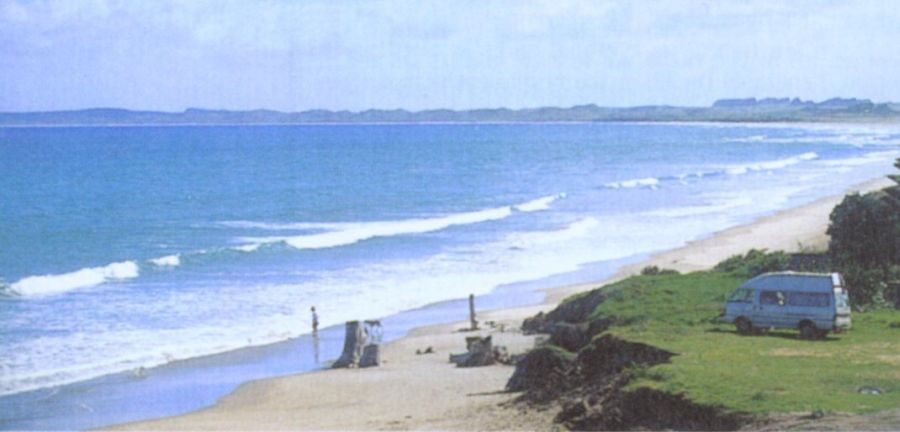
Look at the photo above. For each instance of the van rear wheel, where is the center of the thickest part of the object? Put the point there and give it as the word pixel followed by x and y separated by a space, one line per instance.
pixel 744 326
pixel 808 330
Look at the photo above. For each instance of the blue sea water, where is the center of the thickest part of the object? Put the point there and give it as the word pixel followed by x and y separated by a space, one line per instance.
pixel 124 248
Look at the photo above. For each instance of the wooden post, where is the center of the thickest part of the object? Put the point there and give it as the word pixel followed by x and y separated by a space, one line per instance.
pixel 474 323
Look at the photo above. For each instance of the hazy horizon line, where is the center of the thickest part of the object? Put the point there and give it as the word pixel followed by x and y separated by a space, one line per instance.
pixel 486 108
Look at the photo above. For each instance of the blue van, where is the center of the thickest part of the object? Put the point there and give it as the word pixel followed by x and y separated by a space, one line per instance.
pixel 814 303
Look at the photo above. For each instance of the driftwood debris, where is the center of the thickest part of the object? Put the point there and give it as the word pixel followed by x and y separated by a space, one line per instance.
pixel 480 352
pixel 361 347
pixel 472 321
pixel 354 340
pixel 370 356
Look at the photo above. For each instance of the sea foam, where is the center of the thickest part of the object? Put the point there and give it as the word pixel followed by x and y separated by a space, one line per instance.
pixel 539 204
pixel 166 261
pixel 770 165
pixel 84 278
pixel 630 184
pixel 343 234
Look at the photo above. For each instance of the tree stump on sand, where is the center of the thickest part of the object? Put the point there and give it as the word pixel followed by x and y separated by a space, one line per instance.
pixel 370 356
pixel 480 353
pixel 354 341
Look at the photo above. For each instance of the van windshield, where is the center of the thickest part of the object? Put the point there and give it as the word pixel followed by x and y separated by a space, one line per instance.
pixel 742 295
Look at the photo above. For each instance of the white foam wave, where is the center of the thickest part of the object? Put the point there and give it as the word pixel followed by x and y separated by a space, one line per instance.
pixel 274 226
pixel 348 233
pixel 855 138
pixel 252 247
pixel 749 139
pixel 630 184
pixel 84 278
pixel 539 204
pixel 166 261
pixel 356 232
pixel 712 208
pixel 655 182
pixel 868 158
pixel 771 165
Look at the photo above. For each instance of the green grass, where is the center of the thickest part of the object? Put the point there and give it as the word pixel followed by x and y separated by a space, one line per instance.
pixel 776 372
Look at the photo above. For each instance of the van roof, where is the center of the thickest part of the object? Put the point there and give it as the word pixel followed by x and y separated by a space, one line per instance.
pixel 792 281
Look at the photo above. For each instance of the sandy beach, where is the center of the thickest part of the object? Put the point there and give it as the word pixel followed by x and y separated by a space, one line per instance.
pixel 411 391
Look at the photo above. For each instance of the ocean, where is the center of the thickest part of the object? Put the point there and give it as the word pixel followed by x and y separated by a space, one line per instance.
pixel 123 249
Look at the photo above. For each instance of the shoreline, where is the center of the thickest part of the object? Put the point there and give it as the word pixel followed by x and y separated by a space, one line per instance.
pixel 468 399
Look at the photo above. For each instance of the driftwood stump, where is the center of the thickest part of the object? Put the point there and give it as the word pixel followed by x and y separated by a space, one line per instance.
pixel 354 341
pixel 370 356
pixel 472 320
pixel 361 347
pixel 480 352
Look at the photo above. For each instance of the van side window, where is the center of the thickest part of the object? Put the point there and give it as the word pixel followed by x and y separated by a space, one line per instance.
pixel 742 295
pixel 771 298
pixel 808 299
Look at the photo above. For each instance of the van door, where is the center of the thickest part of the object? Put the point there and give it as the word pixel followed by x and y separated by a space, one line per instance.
pixel 771 309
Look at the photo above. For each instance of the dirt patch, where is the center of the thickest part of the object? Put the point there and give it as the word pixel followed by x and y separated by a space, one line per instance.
pixel 649 409
pixel 889 359
pixel 542 374
pixel 608 355
pixel 798 352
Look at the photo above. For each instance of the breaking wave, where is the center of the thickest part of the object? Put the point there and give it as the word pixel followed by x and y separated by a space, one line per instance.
pixel 33 286
pixel 166 261
pixel 356 232
pixel 771 165
pixel 343 234
pixel 539 204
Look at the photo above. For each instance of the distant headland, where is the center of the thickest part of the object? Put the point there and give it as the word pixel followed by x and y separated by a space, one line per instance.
pixel 723 110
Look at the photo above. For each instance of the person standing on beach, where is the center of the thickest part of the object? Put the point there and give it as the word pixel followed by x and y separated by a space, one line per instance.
pixel 315 321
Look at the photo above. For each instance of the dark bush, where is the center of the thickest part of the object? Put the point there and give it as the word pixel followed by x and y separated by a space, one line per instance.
pixel 755 262
pixel 865 244
pixel 654 271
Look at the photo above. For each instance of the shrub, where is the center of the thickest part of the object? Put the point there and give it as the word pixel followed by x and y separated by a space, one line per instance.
pixel 755 262
pixel 864 231
pixel 655 271
pixel 650 271
pixel 865 286
pixel 865 243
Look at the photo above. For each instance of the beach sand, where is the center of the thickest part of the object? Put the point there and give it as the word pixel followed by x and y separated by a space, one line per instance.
pixel 411 391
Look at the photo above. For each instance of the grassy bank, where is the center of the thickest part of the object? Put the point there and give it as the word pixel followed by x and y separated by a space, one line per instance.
pixel 775 372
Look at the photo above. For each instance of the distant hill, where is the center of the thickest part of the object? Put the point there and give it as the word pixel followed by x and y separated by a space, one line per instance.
pixel 724 110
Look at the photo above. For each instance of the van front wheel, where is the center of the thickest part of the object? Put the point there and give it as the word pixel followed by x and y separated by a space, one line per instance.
pixel 808 330
pixel 744 326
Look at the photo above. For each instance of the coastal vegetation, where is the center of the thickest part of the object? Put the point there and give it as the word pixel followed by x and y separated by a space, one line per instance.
pixel 865 245
pixel 650 351
pixel 708 365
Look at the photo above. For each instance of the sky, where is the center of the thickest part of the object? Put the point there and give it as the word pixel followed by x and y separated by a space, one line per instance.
pixel 285 55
